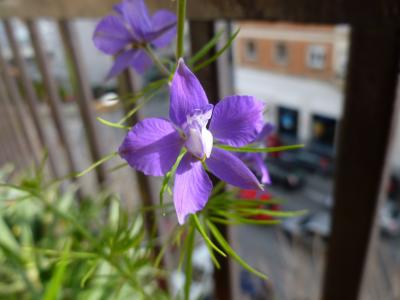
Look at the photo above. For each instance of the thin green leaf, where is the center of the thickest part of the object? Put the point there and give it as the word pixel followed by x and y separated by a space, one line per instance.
pixel 178 237
pixel 53 289
pixel 20 188
pixel 56 253
pixel 117 167
pixel 188 264
pixel 272 213
pixel 225 221
pixel 218 54
pixel 133 98
pixel 96 164
pixel 259 150
pixel 203 233
pixel 245 220
pixel 205 49
pixel 226 203
pixel 213 257
pixel 139 106
pixel 168 176
pixel 10 253
pixel 89 273
pixel 157 61
pixel 165 246
pixel 41 168
pixel 224 244
pixel 7 237
pixel 112 124
pixel 184 247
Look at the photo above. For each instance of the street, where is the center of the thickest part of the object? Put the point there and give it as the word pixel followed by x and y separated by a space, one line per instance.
pixel 295 265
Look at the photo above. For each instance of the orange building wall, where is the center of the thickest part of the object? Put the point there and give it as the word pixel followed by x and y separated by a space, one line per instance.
pixel 297 63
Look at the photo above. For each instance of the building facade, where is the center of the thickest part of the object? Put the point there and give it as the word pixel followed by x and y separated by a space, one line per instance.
pixel 298 70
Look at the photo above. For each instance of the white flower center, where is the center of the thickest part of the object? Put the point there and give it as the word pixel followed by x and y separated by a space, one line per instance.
pixel 199 140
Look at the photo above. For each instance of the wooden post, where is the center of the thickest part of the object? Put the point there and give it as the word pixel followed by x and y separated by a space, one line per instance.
pixel 14 138
pixel 30 94
pixel 362 156
pixel 85 95
pixel 200 33
pixel 16 101
pixel 53 96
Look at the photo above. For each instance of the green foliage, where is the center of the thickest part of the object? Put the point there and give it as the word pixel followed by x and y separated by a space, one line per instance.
pixel 205 49
pixel 188 265
pixel 218 53
pixel 52 247
pixel 112 124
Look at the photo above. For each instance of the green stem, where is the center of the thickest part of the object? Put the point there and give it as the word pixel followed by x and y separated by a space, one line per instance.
pixel 157 61
pixel 181 28
pixel 96 164
pixel 188 263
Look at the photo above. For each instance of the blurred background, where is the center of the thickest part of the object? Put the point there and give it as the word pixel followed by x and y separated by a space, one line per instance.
pixel 57 76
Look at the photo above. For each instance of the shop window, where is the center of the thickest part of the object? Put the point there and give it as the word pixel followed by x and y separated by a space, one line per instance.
pixel 323 130
pixel 287 122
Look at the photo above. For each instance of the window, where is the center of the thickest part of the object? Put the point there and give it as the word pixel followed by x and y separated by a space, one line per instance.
pixel 251 50
pixel 287 122
pixel 323 130
pixel 316 56
pixel 281 53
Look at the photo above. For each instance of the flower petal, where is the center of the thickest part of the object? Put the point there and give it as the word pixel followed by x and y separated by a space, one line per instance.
pixel 121 62
pixel 118 8
pixel 141 62
pixel 237 120
pixel 186 94
pixel 266 131
pixel 136 14
pixel 111 35
pixel 151 146
pixel 163 22
pixel 137 59
pixel 192 187
pixel 256 162
pixel 261 168
pixel 229 168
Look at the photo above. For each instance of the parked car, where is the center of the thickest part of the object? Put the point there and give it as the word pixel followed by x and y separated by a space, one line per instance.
pixel 319 224
pixel 309 161
pixel 294 227
pixel 285 175
pixel 389 219
pixel 315 224
pixel 394 186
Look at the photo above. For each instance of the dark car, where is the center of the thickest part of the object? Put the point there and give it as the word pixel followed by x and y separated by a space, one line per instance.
pixel 285 174
pixel 308 161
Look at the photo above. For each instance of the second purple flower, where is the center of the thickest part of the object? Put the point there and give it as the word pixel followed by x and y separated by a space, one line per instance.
pixel 126 33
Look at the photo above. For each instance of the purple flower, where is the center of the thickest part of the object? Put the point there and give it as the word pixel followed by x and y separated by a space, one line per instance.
pixel 256 160
pixel 126 33
pixel 153 145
